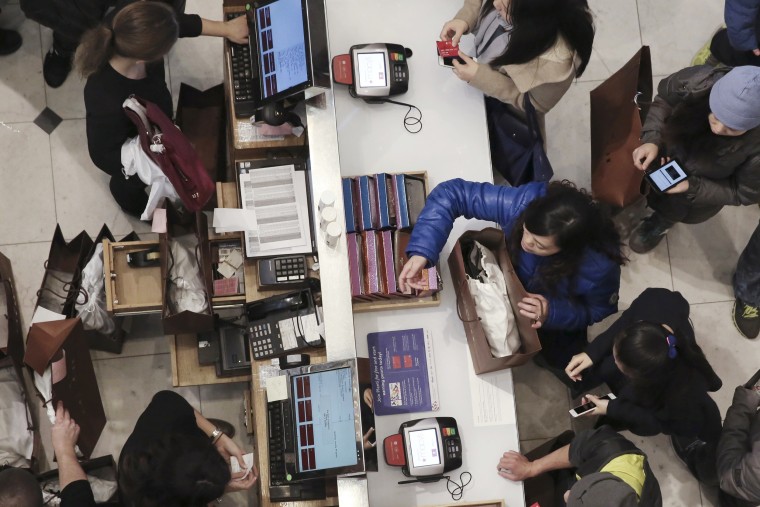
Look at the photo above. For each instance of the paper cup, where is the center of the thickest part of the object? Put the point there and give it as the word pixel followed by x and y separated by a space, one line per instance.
pixel 332 234
pixel 326 200
pixel 327 216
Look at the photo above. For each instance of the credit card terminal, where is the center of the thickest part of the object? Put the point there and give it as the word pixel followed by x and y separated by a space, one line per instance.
pixel 426 447
pixel 374 70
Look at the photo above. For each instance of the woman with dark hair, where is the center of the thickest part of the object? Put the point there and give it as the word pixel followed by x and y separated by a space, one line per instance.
pixel 650 359
pixel 536 46
pixel 123 56
pixel 175 457
pixel 564 248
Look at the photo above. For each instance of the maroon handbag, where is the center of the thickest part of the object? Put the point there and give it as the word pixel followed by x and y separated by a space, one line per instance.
pixel 168 147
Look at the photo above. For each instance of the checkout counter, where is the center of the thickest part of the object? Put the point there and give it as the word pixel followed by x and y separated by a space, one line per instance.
pixel 348 137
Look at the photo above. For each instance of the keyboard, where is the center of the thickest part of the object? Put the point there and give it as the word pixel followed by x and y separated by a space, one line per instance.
pixel 281 440
pixel 244 76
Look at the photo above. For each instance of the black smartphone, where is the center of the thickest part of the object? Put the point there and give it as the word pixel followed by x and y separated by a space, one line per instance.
pixel 752 381
pixel 587 407
pixel 666 177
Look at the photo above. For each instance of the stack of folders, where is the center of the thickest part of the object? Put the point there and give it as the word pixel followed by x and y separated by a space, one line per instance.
pixel 381 210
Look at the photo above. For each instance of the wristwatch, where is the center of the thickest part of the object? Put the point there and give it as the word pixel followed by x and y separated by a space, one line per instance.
pixel 216 435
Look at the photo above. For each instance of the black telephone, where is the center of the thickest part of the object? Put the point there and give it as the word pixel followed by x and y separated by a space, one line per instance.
pixel 282 324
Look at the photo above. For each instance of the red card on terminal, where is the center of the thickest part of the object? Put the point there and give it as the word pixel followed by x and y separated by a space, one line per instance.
pixel 447 49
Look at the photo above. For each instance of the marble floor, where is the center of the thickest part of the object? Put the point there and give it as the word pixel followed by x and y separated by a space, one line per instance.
pixel 48 179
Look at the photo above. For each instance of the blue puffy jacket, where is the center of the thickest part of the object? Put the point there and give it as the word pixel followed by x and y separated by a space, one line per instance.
pixel 742 22
pixel 589 298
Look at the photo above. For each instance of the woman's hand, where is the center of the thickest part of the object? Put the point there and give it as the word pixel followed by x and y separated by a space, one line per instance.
pixel 236 30
pixel 467 70
pixel 65 431
pixel 410 277
pixel 242 481
pixel 369 399
pixel 577 364
pixel 601 405
pixel 229 449
pixel 644 155
pixel 514 466
pixel 536 307
pixel 453 31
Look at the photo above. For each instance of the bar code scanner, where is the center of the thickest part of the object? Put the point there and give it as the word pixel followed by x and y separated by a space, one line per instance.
pixel 374 72
pixel 425 449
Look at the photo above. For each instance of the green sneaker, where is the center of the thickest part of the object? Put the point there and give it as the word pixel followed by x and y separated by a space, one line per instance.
pixel 746 319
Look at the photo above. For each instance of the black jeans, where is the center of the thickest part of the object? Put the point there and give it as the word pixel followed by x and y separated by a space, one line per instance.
pixel 678 208
pixel 721 49
pixel 129 194
pixel 747 275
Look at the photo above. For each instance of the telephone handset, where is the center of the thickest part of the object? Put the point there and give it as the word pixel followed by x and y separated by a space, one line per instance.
pixel 282 324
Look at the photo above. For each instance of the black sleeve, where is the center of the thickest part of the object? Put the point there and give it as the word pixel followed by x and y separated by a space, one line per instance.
pixel 190 25
pixel 77 494
pixel 105 135
pixel 639 420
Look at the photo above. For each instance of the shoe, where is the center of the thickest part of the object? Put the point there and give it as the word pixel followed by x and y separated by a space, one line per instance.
pixel 227 428
pixel 56 67
pixel 10 41
pixel 648 233
pixel 686 449
pixel 746 319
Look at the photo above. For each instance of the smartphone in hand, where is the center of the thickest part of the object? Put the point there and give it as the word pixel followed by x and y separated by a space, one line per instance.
pixel 447 53
pixel 588 407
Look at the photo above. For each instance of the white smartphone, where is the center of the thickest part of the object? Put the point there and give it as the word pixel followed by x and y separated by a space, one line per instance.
pixel 587 407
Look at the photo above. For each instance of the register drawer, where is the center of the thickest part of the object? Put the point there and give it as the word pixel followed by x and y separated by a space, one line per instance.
pixel 130 290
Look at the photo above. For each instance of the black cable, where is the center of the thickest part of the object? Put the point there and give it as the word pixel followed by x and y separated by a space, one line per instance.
pixel 409 120
pixel 458 490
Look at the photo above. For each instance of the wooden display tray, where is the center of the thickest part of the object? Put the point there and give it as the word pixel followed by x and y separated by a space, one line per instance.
pixel 261 446
pixel 185 368
pixel 400 303
pixel 130 290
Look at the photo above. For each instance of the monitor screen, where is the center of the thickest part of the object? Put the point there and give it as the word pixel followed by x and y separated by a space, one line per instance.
pixel 282 47
pixel 424 446
pixel 372 70
pixel 323 405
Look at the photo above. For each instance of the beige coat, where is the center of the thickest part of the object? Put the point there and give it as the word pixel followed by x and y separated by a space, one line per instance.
pixel 546 77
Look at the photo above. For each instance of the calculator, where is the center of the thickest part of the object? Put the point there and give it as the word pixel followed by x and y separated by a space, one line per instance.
pixel 283 272
pixel 262 345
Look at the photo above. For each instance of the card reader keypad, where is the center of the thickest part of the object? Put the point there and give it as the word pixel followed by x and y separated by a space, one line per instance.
pixel 452 443
pixel 261 340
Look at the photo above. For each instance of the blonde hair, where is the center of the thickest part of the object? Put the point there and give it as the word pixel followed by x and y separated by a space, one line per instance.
pixel 144 30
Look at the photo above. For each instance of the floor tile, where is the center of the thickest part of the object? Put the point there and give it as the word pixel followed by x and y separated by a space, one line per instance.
pixel 733 357
pixel 198 61
pixel 68 99
pixel 542 403
pixel 82 197
pixel 22 94
pixel 528 445
pixel 679 488
pixel 27 206
pixel 126 387
pixel 27 262
pixel 703 256
pixel 568 135
pixel 616 40
pixel 673 49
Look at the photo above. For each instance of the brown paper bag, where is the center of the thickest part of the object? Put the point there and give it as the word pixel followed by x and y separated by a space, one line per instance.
pixel 618 108
pixel 78 389
pixel 480 350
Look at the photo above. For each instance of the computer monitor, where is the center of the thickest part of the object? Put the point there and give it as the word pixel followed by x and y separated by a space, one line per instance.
pixel 291 42
pixel 327 427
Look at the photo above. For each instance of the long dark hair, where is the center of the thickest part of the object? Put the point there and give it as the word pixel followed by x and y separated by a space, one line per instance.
pixel 576 223
pixel 142 30
pixel 687 133
pixel 643 349
pixel 536 24
pixel 178 470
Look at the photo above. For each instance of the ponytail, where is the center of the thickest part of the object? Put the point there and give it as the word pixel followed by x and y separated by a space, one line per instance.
pixel 95 49
pixel 142 30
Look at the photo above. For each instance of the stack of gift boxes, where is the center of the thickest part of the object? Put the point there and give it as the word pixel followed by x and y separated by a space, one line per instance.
pixel 381 210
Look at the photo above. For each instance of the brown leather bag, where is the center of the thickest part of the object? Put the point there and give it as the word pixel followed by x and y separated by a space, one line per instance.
pixel 618 108
pixel 482 359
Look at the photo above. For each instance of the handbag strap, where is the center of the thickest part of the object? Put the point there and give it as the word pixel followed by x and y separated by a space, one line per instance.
pixel 531 117
pixel 459 304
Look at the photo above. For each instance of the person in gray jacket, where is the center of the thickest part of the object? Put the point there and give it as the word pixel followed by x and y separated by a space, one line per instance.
pixel 739 448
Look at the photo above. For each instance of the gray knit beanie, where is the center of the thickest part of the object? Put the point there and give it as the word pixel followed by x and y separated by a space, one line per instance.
pixel 735 98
